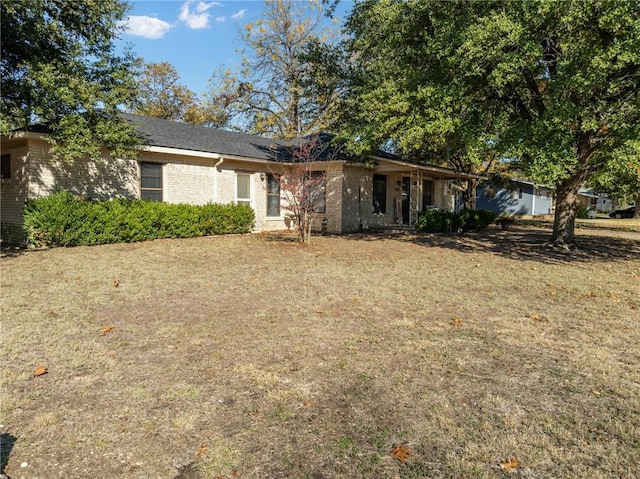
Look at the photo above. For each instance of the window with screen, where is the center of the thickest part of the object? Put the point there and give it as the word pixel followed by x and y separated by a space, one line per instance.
pixel 427 194
pixel 273 196
pixel 243 189
pixel 380 194
pixel 5 167
pixel 151 181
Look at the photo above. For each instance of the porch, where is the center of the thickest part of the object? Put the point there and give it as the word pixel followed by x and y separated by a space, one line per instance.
pixel 401 190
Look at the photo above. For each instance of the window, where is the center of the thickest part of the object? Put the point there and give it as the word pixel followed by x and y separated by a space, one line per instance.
pixel 151 181
pixel 427 194
pixel 273 196
pixel 380 194
pixel 5 166
pixel 542 193
pixel 520 193
pixel 317 187
pixel 243 189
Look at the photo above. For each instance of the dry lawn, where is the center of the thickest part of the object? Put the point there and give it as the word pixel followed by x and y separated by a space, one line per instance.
pixel 255 357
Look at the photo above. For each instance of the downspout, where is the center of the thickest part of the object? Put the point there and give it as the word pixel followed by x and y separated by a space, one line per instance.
pixel 533 201
pixel 215 178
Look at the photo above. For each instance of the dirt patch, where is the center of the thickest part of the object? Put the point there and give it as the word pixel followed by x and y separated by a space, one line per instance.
pixel 253 356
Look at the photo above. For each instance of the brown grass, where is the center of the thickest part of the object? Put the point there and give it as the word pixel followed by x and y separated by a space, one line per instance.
pixel 255 357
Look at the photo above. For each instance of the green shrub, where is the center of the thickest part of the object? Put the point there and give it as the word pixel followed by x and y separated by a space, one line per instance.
pixel 583 212
pixel 437 221
pixel 476 219
pixel 63 219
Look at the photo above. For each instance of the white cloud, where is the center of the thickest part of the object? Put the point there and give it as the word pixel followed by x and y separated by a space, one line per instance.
pixel 239 14
pixel 199 18
pixel 220 19
pixel 204 6
pixel 147 27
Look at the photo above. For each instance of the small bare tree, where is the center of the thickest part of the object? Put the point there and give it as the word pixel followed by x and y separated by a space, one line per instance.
pixel 302 186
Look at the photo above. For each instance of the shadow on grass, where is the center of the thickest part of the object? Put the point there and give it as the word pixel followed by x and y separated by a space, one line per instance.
pixel 6 445
pixel 10 251
pixel 521 243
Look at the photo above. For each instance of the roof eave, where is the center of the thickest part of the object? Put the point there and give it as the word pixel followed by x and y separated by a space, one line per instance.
pixel 443 172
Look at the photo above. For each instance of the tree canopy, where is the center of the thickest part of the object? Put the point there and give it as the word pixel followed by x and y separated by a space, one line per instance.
pixel 161 95
pixel 554 85
pixel 269 95
pixel 58 67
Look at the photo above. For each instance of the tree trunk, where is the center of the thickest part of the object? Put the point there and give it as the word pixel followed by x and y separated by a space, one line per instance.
pixel 470 195
pixel 636 215
pixel 304 227
pixel 567 196
pixel 565 215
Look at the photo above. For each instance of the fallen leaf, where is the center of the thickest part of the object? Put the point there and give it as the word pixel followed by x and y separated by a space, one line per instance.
pixel 597 393
pixel 401 453
pixel 590 294
pixel 534 316
pixel 456 321
pixel 308 404
pixel 107 329
pixel 39 371
pixel 201 450
pixel 510 464
pixel 116 283
pixel 614 298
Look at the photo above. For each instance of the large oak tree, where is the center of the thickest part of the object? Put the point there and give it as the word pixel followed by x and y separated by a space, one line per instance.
pixel 553 84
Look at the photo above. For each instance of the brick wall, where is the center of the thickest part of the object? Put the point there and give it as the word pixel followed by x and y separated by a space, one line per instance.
pixel 35 173
pixel 355 197
pixel 13 194
pixel 189 183
pixel 104 178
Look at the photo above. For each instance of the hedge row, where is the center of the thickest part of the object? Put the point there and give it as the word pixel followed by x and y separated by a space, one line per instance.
pixel 63 219
pixel 437 221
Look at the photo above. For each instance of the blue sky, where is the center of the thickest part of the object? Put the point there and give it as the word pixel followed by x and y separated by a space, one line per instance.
pixel 195 36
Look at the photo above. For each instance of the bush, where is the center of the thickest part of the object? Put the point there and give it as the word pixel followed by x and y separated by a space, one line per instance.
pixel 437 221
pixel 476 219
pixel 63 219
pixel 583 212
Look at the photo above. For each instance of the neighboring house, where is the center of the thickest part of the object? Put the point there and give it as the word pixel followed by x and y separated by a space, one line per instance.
pixel 515 197
pixel 181 163
pixel 604 204
pixel 589 200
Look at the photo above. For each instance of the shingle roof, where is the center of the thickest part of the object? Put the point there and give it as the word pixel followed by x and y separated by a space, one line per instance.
pixel 171 134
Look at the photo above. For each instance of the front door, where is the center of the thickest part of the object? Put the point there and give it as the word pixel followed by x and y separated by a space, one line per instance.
pixel 406 199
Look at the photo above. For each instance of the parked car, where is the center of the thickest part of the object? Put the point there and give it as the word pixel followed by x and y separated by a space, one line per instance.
pixel 625 213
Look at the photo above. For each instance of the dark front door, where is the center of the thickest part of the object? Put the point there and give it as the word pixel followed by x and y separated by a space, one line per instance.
pixel 406 199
